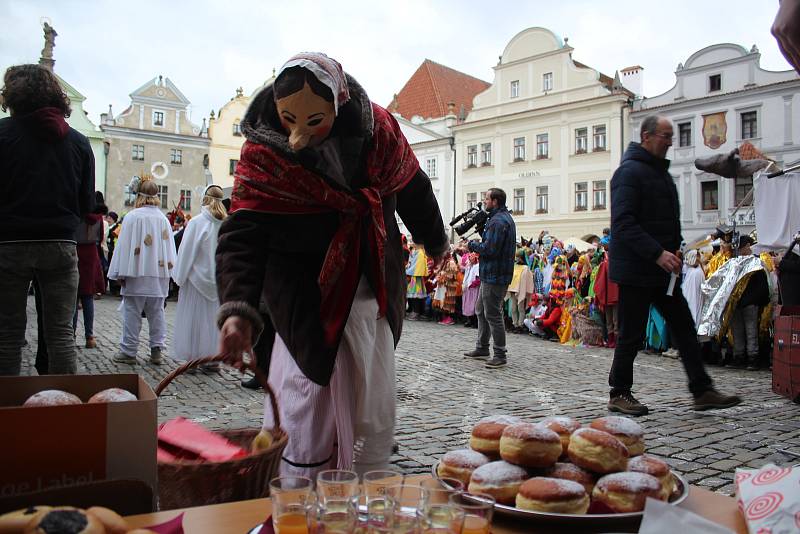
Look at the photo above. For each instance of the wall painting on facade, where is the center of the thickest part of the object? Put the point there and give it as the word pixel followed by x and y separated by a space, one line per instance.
pixel 714 130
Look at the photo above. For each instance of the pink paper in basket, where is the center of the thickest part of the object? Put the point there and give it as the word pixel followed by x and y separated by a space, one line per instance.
pixel 769 498
pixel 173 526
pixel 192 437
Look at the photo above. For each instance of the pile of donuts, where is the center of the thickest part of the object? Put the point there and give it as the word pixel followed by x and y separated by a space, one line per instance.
pixel 56 397
pixel 559 466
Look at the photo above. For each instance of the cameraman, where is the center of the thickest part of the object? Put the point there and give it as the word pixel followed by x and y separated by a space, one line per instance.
pixel 496 251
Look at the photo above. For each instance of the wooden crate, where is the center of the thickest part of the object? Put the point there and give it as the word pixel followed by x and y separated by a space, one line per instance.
pixel 786 354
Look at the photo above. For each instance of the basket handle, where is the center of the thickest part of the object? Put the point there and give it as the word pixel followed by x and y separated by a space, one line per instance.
pixel 191 364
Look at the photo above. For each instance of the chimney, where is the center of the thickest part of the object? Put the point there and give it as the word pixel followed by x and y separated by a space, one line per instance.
pixel 632 79
pixel 450 119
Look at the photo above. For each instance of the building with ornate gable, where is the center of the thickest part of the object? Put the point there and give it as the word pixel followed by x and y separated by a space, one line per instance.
pixel 549 131
pixel 155 136
pixel 722 99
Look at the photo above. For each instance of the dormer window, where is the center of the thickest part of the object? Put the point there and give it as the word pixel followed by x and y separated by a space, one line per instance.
pixel 515 89
pixel 158 118
pixel 715 82
pixel 547 81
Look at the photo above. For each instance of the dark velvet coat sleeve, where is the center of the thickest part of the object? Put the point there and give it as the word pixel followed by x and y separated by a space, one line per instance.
pixel 417 207
pixel 240 265
pixel 86 190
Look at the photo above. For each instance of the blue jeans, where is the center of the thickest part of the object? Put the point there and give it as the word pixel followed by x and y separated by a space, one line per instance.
pixel 87 301
pixel 55 267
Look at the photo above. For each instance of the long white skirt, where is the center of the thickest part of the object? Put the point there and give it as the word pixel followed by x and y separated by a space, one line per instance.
pixel 350 423
pixel 196 333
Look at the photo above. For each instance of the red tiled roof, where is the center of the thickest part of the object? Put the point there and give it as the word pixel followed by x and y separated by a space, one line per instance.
pixel 431 87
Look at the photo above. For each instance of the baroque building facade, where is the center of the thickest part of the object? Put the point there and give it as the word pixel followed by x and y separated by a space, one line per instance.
pixel 549 131
pixel 154 136
pixel 721 100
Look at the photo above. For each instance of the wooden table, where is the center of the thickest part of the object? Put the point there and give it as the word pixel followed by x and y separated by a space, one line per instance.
pixel 240 517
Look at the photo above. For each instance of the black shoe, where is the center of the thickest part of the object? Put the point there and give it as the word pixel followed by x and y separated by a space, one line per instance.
pixel 737 362
pixel 495 362
pixel 251 383
pixel 626 403
pixel 752 363
pixel 714 400
pixel 478 354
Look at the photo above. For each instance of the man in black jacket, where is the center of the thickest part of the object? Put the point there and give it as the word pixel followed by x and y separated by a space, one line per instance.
pixel 646 231
pixel 46 188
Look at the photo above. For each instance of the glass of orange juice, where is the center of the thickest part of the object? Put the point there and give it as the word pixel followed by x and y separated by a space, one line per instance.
pixel 478 509
pixel 292 504
pixel 441 519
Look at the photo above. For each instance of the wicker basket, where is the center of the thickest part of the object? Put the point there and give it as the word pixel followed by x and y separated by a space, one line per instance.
pixel 185 483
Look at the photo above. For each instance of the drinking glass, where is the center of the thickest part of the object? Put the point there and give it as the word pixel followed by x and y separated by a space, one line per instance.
pixel 376 482
pixel 440 489
pixel 478 509
pixel 336 516
pixel 291 499
pixel 441 519
pixel 379 515
pixel 338 484
pixel 406 499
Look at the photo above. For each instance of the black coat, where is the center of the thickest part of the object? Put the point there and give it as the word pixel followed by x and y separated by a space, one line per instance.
pixel 645 218
pixel 46 178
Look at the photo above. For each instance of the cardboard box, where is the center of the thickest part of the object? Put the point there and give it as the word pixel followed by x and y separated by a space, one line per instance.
pixel 58 446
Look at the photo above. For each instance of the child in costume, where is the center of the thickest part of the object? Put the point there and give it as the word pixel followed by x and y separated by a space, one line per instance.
pixel 313 241
pixel 142 263
pixel 195 274
pixel 417 274
pixel 471 287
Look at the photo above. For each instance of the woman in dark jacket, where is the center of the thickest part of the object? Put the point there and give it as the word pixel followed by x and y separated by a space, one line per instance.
pixel 90 273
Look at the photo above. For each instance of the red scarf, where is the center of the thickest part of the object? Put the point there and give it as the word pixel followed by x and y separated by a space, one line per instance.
pixel 267 182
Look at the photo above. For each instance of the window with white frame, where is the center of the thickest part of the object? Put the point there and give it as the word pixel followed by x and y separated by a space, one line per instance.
pixel 430 167
pixel 547 81
pixel 186 200
pixel 176 156
pixel 599 194
pixel 581 196
pixel 472 155
pixel 519 149
pixel 472 200
pixel 599 137
pixel 541 199
pixel 515 89
pixel 519 201
pixel 709 192
pixel 237 129
pixel 232 166
pixel 158 118
pixel 163 196
pixel 715 82
pixel 542 146
pixel 684 134
pixel 486 154
pixel 749 124
pixel 137 152
pixel 580 140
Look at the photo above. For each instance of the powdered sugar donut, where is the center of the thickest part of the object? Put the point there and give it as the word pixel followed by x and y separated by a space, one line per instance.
pixel 499 479
pixel 530 445
pixel 52 397
pixel 656 467
pixel 485 436
pixel 574 473
pixel 563 426
pixel 553 495
pixel 626 492
pixel 628 431
pixel 112 395
pixel 597 451
pixel 460 464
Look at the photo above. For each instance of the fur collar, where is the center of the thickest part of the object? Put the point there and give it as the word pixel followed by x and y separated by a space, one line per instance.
pixel 261 125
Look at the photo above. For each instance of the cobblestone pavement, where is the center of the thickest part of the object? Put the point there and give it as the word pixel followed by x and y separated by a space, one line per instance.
pixel 441 395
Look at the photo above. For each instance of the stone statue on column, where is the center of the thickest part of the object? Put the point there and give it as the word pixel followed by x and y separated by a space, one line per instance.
pixel 50 34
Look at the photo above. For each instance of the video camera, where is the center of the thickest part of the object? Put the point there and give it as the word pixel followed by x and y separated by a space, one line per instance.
pixel 472 217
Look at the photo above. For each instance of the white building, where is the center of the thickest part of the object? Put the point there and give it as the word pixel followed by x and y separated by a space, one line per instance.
pixel 722 98
pixel 549 131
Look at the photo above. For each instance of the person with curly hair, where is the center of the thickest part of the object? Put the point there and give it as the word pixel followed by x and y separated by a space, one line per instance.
pixel 47 172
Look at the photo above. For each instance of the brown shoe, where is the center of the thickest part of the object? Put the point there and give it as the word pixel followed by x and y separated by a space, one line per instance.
pixel 91 343
pixel 714 400
pixel 626 403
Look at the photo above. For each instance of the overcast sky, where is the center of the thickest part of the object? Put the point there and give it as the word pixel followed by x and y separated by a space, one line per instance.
pixel 208 48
